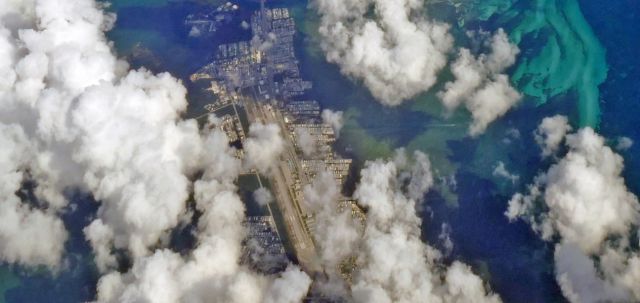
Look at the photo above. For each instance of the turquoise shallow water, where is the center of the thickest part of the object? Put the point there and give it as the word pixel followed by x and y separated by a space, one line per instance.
pixel 562 53
pixel 578 58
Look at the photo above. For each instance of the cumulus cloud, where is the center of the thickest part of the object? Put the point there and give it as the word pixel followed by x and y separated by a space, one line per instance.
pixel 503 52
pixel 334 119
pixel 550 133
pixel 28 235
pixel 585 193
pixel 480 85
pixel 463 285
pixel 585 202
pixel 389 45
pixel 469 75
pixel 491 102
pixel 501 171
pixel 397 52
pixel 137 169
pixel 263 196
pixel 397 265
pixel 73 115
pixel 415 174
pixel 212 269
pixel 579 279
pixel 335 231
pixel 394 265
pixel 263 146
pixel 194 32
pixel 290 288
pixel 96 126
pixel 43 71
pixel 306 142
pixel 445 238
pixel 101 237
pixel 624 143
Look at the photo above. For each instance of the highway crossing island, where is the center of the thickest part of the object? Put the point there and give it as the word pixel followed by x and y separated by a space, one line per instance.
pixel 259 81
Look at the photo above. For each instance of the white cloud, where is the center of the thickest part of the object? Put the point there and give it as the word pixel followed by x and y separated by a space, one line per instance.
pixel 335 232
pixel 503 52
pixel 290 288
pixel 551 133
pixel 491 102
pixel 415 174
pixel 73 115
pixel 28 235
pixel 194 32
pixel 480 85
pixel 64 82
pixel 469 76
pixel 334 119
pixel 624 143
pixel 263 146
pixel 398 53
pixel 584 200
pixel 396 265
pixel 212 269
pixel 501 171
pixel 579 279
pixel 261 44
pixel 585 193
pixel 263 196
pixel 306 142
pixel 392 250
pixel 136 153
pixel 388 45
pixel 464 286
pixel 445 238
pixel 101 238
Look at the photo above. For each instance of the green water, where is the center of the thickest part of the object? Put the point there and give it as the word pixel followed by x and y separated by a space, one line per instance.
pixel 359 107
pixel 364 145
pixel 561 55
pixel 570 57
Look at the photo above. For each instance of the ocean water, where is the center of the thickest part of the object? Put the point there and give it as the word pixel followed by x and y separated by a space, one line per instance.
pixel 75 281
pixel 561 53
pixel 617 24
pixel 579 58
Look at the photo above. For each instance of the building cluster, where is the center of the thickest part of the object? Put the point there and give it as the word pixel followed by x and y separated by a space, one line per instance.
pixel 261 78
pixel 356 211
pixel 263 250
pixel 275 29
pixel 302 111
pixel 231 126
pixel 266 65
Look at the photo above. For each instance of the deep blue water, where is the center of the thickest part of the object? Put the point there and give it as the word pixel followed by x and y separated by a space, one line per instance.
pixel 518 265
pixel 617 24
